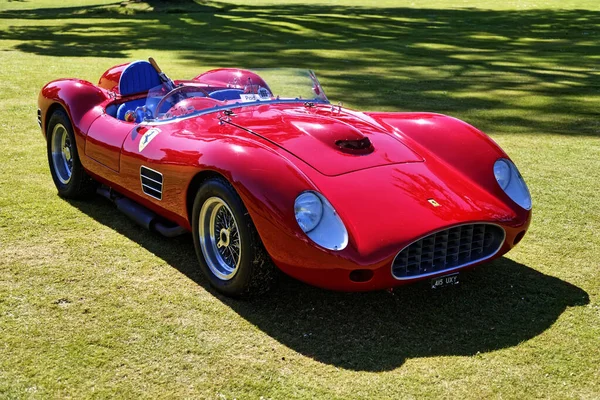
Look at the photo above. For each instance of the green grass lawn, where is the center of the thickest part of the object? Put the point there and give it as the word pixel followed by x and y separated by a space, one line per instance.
pixel 93 306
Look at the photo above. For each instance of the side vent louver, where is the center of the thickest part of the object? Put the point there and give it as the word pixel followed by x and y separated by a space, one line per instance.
pixel 152 182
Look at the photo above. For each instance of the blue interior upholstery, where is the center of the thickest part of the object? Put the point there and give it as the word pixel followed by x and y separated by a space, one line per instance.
pixel 129 105
pixel 138 77
pixel 112 110
pixel 226 94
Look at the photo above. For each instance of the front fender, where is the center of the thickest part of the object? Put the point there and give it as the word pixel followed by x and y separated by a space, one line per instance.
pixel 265 176
pixel 458 145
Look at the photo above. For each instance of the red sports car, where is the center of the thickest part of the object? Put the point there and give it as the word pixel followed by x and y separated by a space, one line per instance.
pixel 265 171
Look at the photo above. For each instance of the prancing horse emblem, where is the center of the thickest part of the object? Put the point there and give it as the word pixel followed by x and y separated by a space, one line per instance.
pixel 147 138
pixel 433 202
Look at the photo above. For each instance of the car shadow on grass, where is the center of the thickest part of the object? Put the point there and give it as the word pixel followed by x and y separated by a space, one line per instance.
pixel 497 306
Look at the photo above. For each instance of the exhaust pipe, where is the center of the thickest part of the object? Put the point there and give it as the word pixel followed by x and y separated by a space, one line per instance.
pixel 169 230
pixel 140 214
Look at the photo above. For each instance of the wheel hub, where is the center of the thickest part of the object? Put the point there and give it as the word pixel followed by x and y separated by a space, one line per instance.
pixel 223 238
pixel 67 152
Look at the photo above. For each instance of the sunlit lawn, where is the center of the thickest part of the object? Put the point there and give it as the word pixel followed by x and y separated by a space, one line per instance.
pixel 93 306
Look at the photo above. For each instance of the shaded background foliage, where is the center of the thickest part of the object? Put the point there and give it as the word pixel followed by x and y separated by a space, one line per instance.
pixel 479 63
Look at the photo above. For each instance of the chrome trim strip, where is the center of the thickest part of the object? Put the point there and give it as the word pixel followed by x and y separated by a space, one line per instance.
pixel 453 268
pixel 151 188
pixel 146 188
pixel 150 179
pixel 148 192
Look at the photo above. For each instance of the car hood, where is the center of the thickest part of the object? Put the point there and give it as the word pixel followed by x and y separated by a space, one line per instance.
pixel 326 139
pixel 387 207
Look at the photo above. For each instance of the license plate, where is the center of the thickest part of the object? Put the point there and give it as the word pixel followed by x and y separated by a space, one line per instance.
pixel 446 280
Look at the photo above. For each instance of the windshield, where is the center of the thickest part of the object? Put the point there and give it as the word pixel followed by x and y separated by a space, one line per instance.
pixel 230 88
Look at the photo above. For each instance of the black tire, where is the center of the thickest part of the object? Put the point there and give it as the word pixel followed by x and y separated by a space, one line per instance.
pixel 255 272
pixel 79 184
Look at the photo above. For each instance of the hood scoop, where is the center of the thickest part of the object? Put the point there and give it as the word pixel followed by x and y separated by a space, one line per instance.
pixel 356 146
pixel 333 145
pixel 337 135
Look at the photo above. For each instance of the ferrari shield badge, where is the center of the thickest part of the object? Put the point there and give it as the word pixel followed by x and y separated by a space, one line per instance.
pixel 433 202
pixel 147 138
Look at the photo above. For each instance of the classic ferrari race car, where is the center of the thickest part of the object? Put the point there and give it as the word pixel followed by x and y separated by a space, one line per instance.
pixel 265 171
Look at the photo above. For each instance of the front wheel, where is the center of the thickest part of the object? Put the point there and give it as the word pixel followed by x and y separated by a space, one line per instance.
pixel 68 174
pixel 228 247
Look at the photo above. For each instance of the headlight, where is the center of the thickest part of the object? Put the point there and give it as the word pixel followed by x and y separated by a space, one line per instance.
pixel 321 223
pixel 510 180
pixel 502 173
pixel 308 210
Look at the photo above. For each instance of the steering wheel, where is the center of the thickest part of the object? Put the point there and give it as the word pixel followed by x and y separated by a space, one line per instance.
pixel 180 93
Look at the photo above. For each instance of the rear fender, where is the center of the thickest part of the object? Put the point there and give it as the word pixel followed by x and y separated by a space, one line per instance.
pixel 110 79
pixel 81 99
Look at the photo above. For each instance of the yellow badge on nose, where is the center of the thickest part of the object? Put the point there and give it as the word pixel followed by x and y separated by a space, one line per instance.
pixel 433 202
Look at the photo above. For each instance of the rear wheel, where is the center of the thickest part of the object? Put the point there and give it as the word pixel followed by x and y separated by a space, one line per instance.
pixel 228 247
pixel 68 174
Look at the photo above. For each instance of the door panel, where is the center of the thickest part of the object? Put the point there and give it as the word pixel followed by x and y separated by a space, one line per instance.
pixel 104 140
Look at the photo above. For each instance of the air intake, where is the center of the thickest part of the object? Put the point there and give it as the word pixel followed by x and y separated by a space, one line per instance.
pixel 448 250
pixel 152 182
pixel 361 146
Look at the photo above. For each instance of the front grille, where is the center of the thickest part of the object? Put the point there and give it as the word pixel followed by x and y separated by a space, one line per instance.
pixel 152 182
pixel 39 117
pixel 448 249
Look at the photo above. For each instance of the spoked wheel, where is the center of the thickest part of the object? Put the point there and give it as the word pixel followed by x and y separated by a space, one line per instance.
pixel 68 174
pixel 228 247
pixel 62 153
pixel 220 238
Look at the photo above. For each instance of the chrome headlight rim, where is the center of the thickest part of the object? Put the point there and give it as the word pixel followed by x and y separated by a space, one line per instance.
pixel 330 232
pixel 514 187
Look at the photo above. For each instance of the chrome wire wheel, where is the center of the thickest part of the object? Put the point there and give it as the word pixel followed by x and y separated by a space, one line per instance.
pixel 219 238
pixel 62 153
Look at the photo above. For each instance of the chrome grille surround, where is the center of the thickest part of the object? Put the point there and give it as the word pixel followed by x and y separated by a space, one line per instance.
pixel 448 249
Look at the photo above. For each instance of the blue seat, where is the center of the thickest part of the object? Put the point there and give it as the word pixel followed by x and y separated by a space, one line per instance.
pixel 226 94
pixel 138 77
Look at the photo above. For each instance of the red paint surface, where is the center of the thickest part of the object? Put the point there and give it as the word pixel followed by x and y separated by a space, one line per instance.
pixel 271 153
pixel 231 78
pixel 110 79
